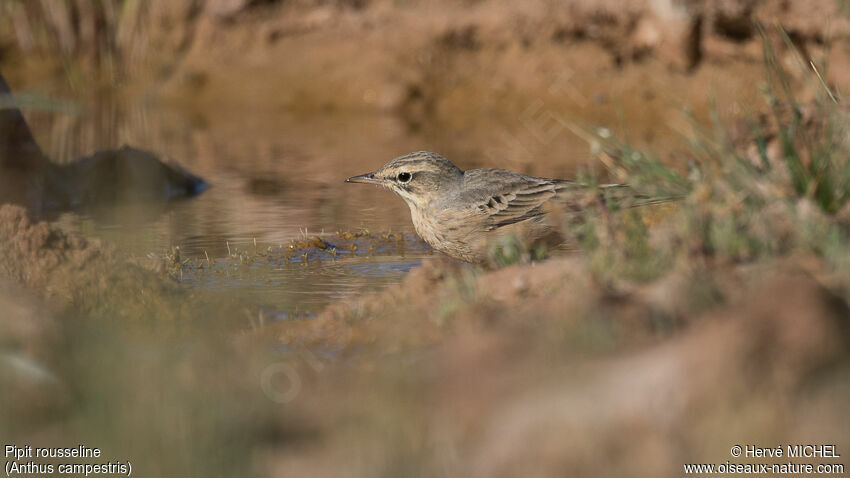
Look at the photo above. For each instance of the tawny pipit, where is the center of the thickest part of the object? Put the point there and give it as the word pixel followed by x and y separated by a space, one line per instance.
pixel 456 212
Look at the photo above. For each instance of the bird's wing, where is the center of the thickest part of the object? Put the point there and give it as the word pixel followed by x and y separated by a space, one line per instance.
pixel 505 197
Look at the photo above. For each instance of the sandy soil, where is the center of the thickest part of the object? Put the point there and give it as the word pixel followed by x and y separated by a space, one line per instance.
pixel 535 368
pixel 515 75
pixel 512 384
pixel 544 369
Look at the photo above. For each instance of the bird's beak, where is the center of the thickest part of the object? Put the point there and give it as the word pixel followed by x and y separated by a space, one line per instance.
pixel 368 178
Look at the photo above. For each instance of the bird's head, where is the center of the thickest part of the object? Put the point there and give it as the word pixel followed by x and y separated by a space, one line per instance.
pixel 417 177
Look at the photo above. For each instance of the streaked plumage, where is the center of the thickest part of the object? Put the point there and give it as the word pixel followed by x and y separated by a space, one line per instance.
pixel 457 212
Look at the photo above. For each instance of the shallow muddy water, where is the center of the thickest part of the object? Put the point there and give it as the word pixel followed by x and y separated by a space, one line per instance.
pixel 276 177
pixel 273 179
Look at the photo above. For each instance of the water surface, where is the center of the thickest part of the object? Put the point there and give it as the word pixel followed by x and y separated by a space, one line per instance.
pixel 274 178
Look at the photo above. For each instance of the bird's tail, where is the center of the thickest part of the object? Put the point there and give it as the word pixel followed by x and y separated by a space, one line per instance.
pixel 622 195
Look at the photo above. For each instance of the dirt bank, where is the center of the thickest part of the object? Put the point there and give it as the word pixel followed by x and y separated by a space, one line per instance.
pixel 530 68
pixel 539 369
pixel 87 277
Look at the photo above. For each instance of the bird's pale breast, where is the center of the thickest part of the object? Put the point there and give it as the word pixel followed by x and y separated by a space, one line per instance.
pixel 461 233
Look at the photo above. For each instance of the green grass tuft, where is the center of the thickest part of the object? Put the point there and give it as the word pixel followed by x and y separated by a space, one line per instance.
pixel 783 189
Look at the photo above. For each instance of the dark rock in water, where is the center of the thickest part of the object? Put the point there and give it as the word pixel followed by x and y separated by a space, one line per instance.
pixel 119 175
pixel 27 176
pixel 18 148
pixel 22 164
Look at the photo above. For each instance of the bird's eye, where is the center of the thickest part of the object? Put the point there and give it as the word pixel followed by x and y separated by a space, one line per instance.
pixel 403 177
